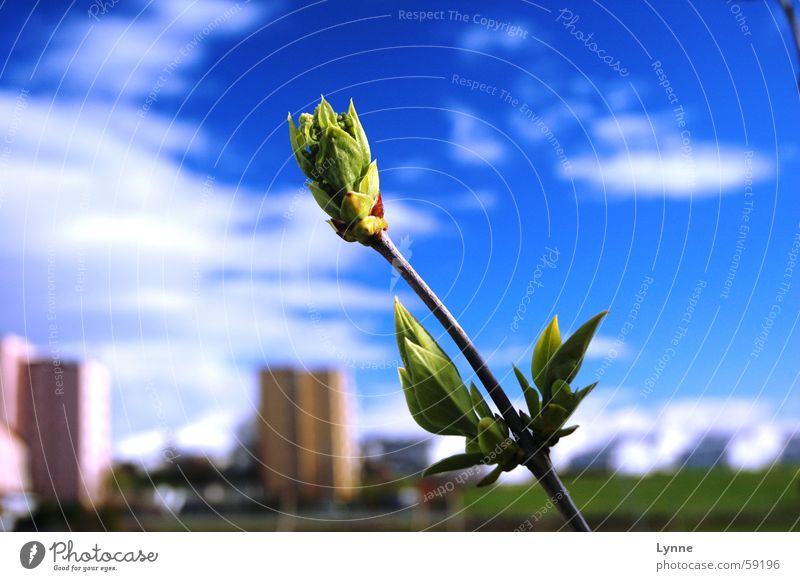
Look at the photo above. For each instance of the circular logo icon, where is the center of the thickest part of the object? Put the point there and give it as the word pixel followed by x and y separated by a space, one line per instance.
pixel 31 554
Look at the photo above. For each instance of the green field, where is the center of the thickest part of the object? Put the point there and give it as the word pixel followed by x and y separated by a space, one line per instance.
pixel 715 500
pixel 689 500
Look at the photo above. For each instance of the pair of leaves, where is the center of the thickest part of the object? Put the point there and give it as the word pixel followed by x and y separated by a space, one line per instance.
pixel 436 396
pixel 554 360
pixel 554 366
pixel 464 462
pixel 492 445
pixel 440 403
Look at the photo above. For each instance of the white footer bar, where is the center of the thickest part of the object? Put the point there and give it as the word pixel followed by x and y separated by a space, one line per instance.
pixel 371 556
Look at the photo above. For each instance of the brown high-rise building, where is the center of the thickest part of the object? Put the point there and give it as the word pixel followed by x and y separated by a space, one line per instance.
pixel 64 419
pixel 14 352
pixel 305 445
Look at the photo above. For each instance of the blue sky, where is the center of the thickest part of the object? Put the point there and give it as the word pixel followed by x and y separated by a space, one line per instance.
pixel 150 202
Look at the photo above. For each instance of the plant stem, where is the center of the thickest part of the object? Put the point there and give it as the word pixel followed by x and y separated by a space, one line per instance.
pixel 537 457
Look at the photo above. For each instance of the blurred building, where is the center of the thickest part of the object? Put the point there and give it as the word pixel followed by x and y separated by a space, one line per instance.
pixel 15 502
pixel 399 456
pixel 14 475
pixel 710 451
pixel 305 443
pixel 791 450
pixel 603 458
pixel 14 351
pixel 14 470
pixel 64 420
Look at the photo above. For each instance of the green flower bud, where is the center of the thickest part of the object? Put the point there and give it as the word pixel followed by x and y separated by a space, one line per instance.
pixel 333 152
pixel 338 161
pixel 355 206
pixel 366 228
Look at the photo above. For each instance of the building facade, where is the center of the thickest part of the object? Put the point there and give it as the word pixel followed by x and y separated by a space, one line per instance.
pixel 64 420
pixel 13 464
pixel 14 352
pixel 305 444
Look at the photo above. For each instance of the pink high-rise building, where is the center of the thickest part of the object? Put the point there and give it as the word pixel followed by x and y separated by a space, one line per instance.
pixel 14 473
pixel 64 419
pixel 14 476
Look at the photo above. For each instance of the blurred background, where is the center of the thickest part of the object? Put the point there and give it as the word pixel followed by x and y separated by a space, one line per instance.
pixel 187 346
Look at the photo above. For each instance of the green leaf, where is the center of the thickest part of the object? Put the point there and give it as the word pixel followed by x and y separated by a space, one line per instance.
pixel 511 458
pixel 491 478
pixel 523 381
pixel 563 396
pixel 360 136
pixel 325 115
pixel 323 200
pixel 443 398
pixel 416 410
pixel 457 462
pixel 370 183
pixel 299 148
pixel 567 361
pixel 530 393
pixel 473 447
pixel 565 431
pixel 546 347
pixel 480 405
pixel 338 160
pixel 582 393
pixel 492 437
pixel 408 327
pixel 550 420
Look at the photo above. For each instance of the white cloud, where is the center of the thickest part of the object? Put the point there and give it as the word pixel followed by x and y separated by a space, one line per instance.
pixel 627 129
pixel 385 412
pixel 604 346
pixel 642 439
pixel 473 140
pixel 211 435
pixel 169 275
pixel 482 39
pixel 639 155
pixel 183 284
pixel 757 447
pixel 481 200
pixel 639 439
pixel 707 172
pixel 146 446
pixel 130 52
